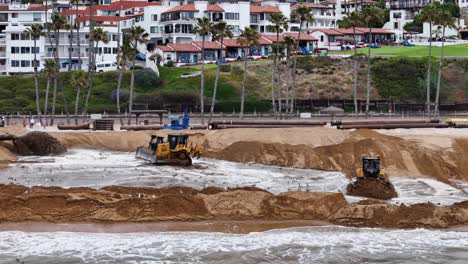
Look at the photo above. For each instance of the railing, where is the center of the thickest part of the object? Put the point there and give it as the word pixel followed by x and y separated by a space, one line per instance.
pixel 2 54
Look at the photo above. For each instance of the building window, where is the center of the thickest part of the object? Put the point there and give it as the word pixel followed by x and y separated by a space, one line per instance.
pixel 321 38
pixel 107 50
pixel 115 37
pixel 14 15
pixel 235 28
pixel 15 36
pixel 154 17
pixel 15 63
pixel 154 29
pixel 15 50
pixel 114 50
pixel 25 37
pixel 37 17
pixel 232 16
pixel 25 50
pixel 25 63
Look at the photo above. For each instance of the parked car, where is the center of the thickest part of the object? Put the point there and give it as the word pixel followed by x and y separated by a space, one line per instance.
pixel 362 45
pixel 106 66
pixel 140 57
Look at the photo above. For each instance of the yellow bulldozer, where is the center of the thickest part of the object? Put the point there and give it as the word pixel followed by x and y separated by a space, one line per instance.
pixel 175 151
pixel 371 168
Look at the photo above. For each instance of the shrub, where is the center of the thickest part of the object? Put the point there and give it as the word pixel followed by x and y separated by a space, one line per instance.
pixel 147 78
pixel 169 64
pixel 225 67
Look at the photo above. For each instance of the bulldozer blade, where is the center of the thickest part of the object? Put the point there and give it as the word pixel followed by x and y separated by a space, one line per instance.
pixel 146 154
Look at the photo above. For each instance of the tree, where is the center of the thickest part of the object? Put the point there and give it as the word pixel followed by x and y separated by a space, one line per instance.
pixel 50 69
pixel 279 23
pixel 35 31
pixel 445 19
pixel 59 22
pixel 289 43
pixel 78 81
pixel 136 35
pixel 77 26
pixel 249 38
pixel 203 29
pixel 220 31
pixel 91 57
pixel 126 53
pixel 304 15
pixel 96 36
pixel 352 21
pixel 371 16
pixel 429 14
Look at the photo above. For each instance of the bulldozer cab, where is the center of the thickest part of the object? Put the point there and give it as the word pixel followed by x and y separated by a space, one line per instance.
pixel 371 166
pixel 155 141
pixel 177 139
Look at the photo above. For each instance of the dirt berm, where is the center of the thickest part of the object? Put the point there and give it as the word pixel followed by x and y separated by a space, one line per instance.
pixel 126 204
pixel 370 187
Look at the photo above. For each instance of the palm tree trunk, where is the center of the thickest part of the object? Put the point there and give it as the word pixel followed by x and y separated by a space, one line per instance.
pixel 78 90
pixel 202 85
pixel 439 74
pixel 355 88
pixel 132 83
pixel 368 73
pixel 280 88
pixel 91 71
pixel 70 46
pixel 293 88
pixel 215 88
pixel 46 99
pixel 244 79
pixel 57 76
pixel 36 82
pixel 288 71
pixel 119 84
pixel 428 76
pixel 78 41
pixel 273 70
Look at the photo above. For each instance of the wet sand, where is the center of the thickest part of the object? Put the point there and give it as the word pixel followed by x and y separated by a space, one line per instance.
pixel 227 226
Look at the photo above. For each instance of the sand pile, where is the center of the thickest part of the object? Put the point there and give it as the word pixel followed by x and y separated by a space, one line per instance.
pixel 38 143
pixel 372 188
pixel 125 204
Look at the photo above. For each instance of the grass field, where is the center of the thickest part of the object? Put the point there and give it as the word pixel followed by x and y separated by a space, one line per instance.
pixel 460 50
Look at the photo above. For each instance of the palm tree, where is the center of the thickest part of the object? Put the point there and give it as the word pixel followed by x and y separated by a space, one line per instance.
pixel 78 81
pixel 77 26
pixel 126 53
pixel 50 69
pixel 91 57
pixel 302 14
pixel 429 14
pixel 59 22
pixel 289 43
pixel 203 28
pixel 445 19
pixel 136 35
pixel 279 23
pixel 35 31
pixel 370 16
pixel 96 36
pixel 352 21
pixel 220 31
pixel 249 38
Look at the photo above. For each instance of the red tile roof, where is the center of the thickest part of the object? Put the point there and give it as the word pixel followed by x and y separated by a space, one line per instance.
pixel 331 32
pixel 304 36
pixel 214 8
pixel 31 7
pixel 183 47
pixel 165 48
pixel 181 8
pixel 264 9
pixel 74 12
pixel 311 5
pixel 348 31
pixel 350 2
pixel 211 45
pixel 374 30
pixel 102 18
pixel 272 38
pixel 232 43
pixel 125 5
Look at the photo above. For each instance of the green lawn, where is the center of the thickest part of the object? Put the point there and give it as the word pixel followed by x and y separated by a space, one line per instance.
pixel 417 51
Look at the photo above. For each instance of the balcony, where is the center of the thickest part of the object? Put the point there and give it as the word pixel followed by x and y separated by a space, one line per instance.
pixel 2 53
pixel 50 54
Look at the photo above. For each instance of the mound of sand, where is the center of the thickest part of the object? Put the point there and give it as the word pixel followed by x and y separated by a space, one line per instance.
pixel 126 204
pixel 372 188
pixel 38 143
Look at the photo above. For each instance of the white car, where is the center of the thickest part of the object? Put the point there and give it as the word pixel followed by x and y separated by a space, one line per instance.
pixel 106 66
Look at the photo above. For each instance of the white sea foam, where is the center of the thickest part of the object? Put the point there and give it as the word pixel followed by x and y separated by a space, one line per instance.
pixel 295 245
